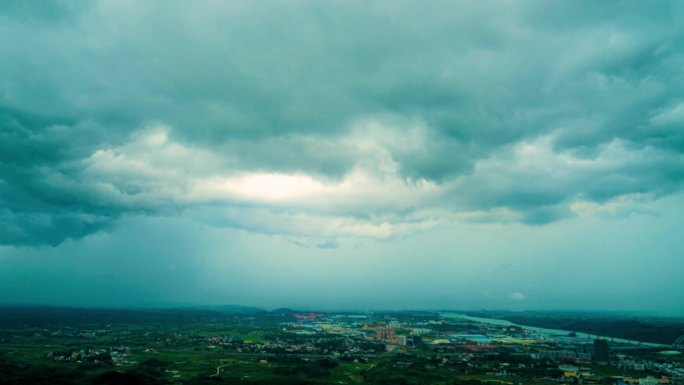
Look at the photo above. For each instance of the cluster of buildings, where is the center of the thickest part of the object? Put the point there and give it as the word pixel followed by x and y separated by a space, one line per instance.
pixel 572 355
pixel 387 334
pixel 116 355
pixel 649 380
pixel 664 366
pixel 599 351
pixel 76 332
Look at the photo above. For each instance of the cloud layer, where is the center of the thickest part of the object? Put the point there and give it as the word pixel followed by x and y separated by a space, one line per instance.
pixel 322 121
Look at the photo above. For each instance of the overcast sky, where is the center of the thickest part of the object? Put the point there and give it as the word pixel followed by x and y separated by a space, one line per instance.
pixel 343 155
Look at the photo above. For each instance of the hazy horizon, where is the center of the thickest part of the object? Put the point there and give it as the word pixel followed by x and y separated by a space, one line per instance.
pixel 343 155
pixel 242 308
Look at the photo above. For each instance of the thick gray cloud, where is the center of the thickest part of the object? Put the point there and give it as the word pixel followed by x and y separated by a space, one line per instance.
pixel 366 119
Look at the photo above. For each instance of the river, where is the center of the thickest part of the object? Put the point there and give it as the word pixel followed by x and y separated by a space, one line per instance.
pixel 545 331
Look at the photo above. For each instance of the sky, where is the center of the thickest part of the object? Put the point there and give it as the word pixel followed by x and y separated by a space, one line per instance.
pixel 351 155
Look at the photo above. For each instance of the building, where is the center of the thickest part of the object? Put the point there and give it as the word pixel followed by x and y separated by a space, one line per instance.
pixel 558 355
pixel 601 350
pixel 385 335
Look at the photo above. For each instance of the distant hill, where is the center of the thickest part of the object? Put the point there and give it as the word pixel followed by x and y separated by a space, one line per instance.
pixel 283 311
pixel 226 308
pixel 39 315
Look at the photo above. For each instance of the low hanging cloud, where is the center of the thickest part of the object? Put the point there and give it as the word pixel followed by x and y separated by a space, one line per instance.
pixel 326 121
pixel 516 296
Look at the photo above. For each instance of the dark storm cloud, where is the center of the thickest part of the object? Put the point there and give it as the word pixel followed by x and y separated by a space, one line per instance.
pixel 40 200
pixel 595 88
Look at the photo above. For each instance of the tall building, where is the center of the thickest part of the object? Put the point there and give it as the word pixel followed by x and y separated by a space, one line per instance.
pixel 601 350
pixel 385 335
